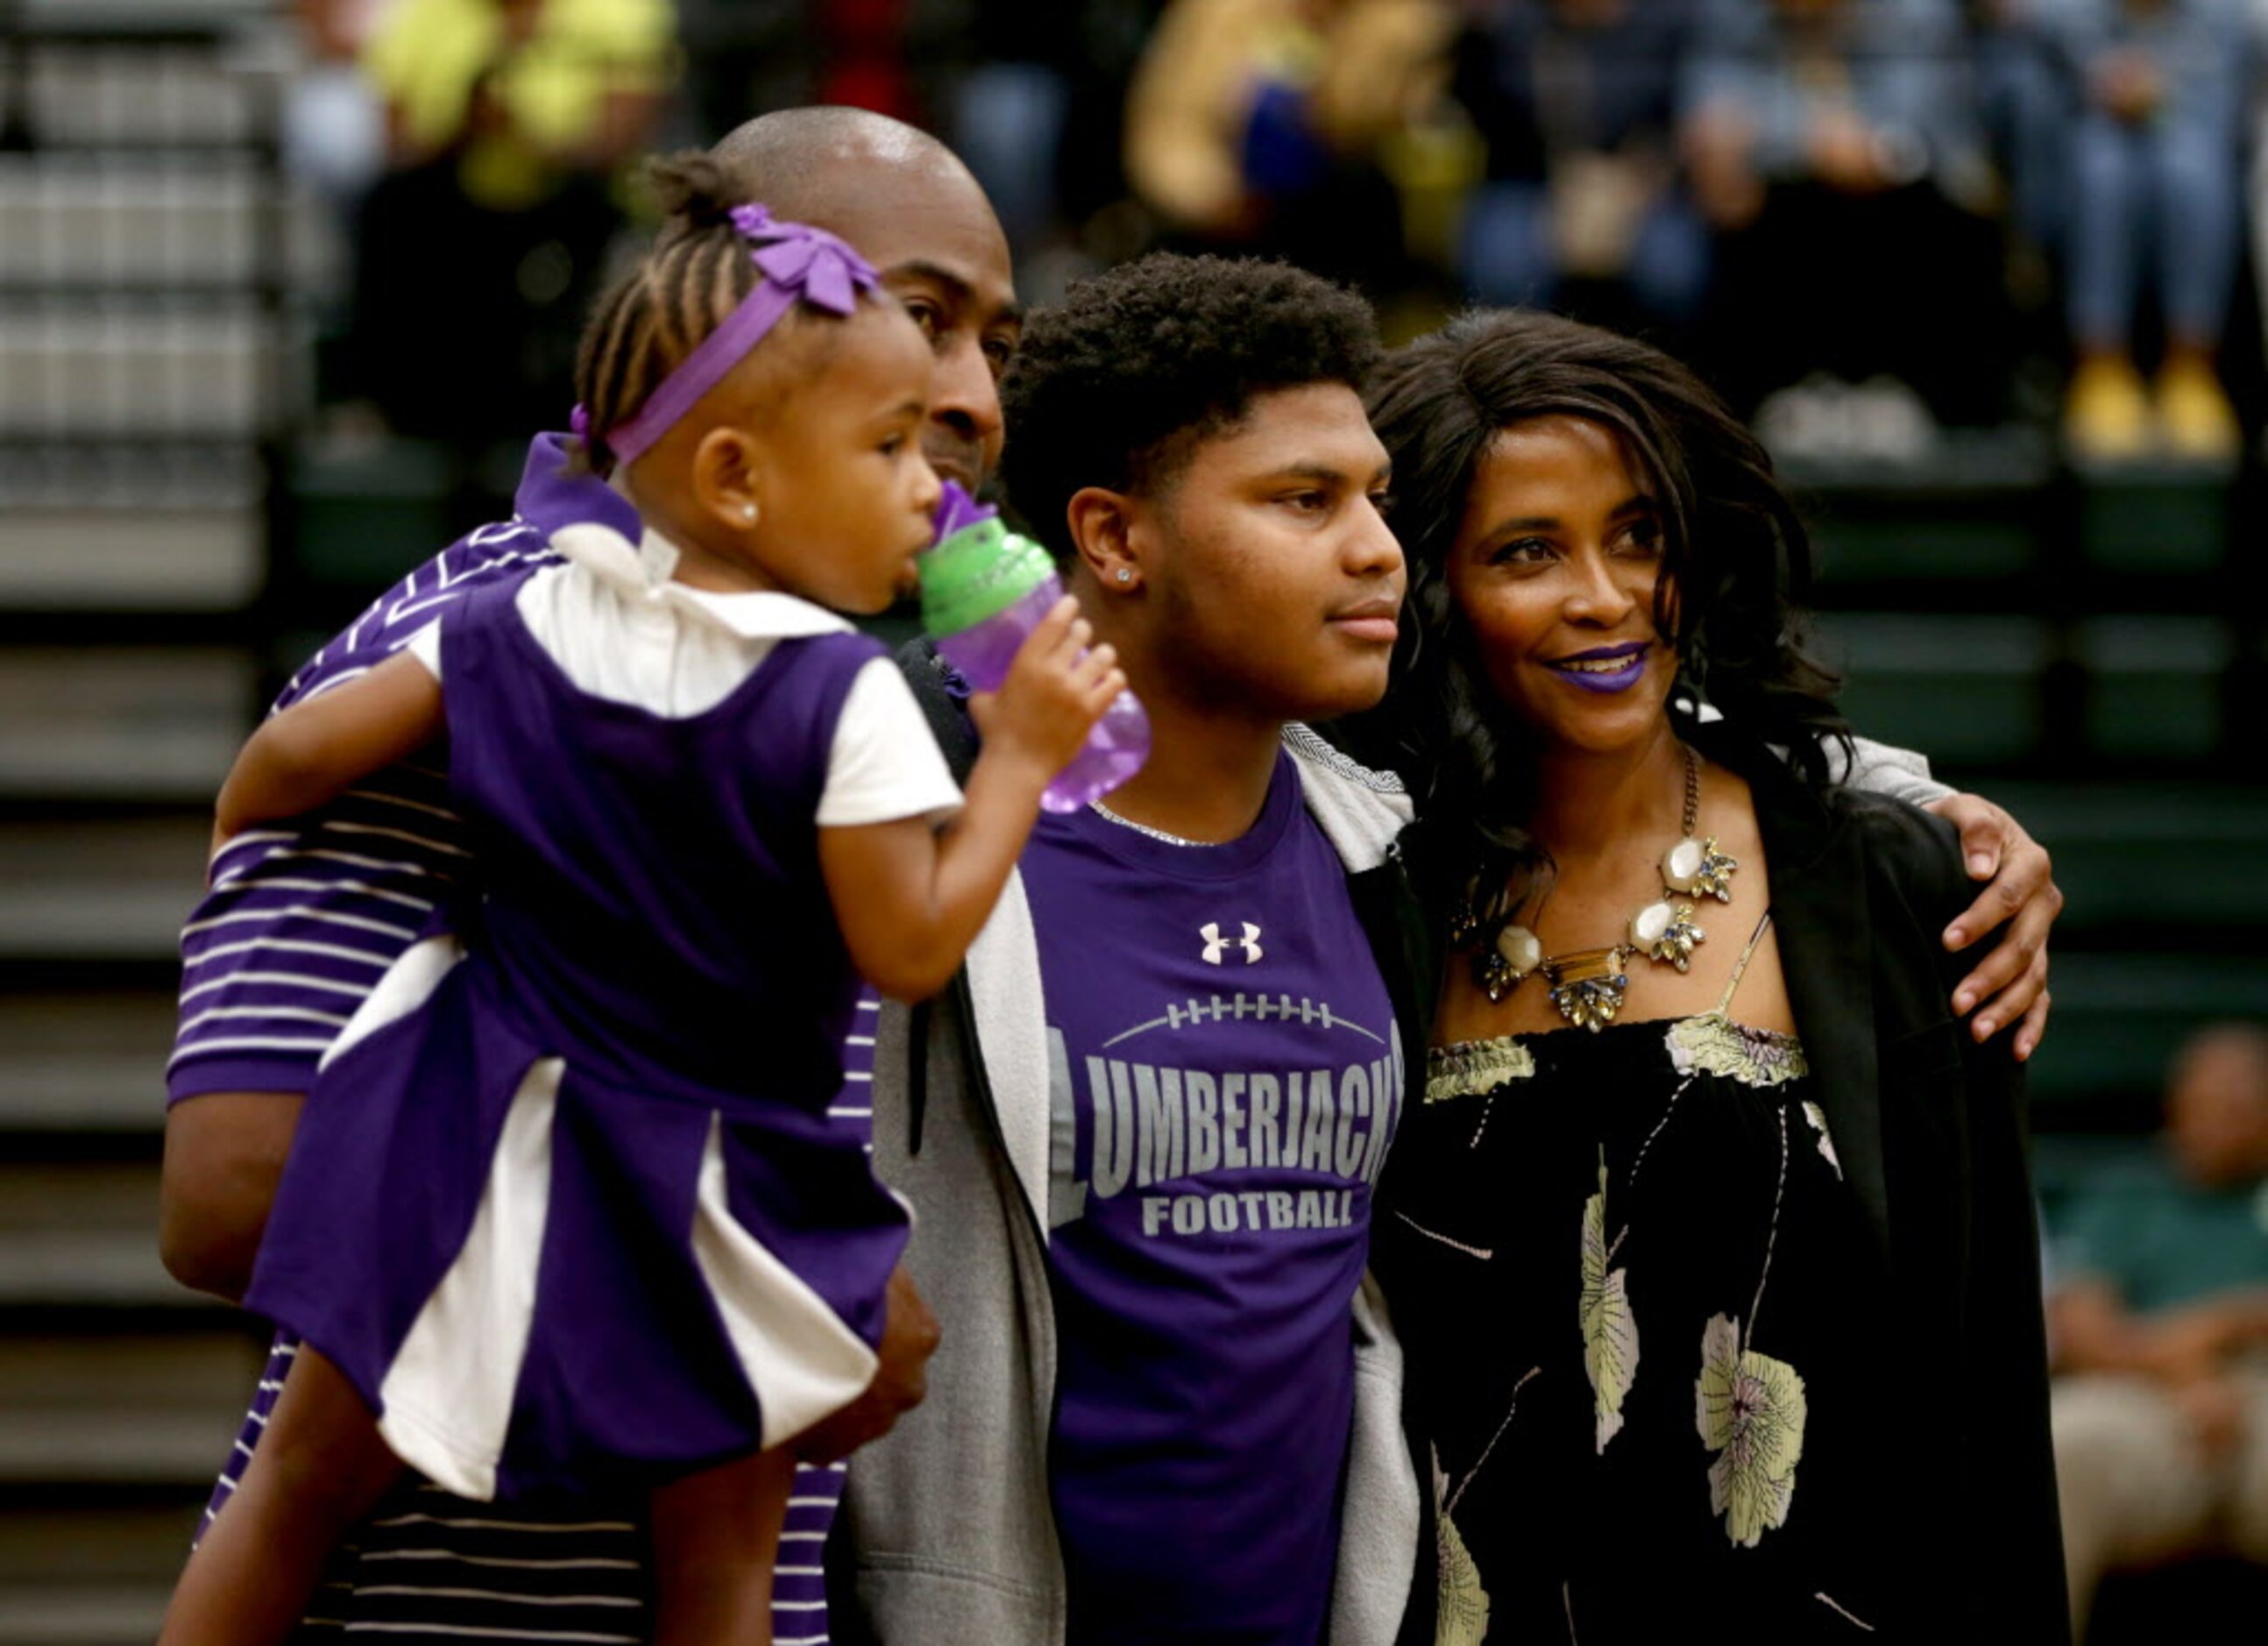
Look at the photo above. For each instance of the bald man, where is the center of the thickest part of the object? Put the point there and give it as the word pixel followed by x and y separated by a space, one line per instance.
pixel 296 931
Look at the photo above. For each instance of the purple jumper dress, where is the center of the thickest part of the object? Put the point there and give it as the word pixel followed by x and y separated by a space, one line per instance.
pixel 565 1205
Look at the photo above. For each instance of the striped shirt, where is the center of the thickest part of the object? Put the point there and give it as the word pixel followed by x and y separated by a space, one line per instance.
pixel 299 924
pixel 303 918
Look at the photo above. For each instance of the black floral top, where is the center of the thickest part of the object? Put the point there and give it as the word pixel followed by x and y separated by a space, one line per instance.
pixel 1644 1318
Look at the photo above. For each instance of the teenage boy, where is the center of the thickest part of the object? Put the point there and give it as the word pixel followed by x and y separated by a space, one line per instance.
pixel 1153 1109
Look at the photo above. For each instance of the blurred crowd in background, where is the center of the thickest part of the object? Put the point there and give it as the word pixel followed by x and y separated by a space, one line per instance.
pixel 1869 220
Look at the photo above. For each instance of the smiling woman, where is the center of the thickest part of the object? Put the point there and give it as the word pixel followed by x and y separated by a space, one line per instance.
pixel 1563 597
pixel 1512 435
pixel 1751 1158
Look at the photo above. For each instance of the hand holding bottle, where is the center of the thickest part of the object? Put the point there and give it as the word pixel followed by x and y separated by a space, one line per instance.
pixel 1055 692
pixel 985 592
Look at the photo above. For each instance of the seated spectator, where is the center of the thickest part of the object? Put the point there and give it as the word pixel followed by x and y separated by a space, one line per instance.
pixel 334 138
pixel 2026 107
pixel 2155 188
pixel 1013 109
pixel 1257 125
pixel 1575 101
pixel 1833 145
pixel 2159 1323
pixel 507 120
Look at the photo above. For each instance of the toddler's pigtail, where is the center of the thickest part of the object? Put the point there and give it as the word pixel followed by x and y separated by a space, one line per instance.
pixel 692 192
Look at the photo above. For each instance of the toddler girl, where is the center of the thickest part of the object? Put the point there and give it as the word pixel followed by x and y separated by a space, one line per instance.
pixel 565 1212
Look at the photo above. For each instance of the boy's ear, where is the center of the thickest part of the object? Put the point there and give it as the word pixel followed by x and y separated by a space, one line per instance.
pixel 1108 536
pixel 726 485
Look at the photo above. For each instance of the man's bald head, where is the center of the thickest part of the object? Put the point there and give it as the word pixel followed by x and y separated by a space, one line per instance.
pixel 793 159
pixel 916 212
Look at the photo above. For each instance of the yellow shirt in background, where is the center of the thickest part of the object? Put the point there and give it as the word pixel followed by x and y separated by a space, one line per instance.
pixel 428 55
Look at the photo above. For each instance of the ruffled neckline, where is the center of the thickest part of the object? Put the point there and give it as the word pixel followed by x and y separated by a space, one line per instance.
pixel 1707 1041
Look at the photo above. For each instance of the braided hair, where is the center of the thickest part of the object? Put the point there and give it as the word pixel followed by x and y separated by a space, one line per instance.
pixel 643 328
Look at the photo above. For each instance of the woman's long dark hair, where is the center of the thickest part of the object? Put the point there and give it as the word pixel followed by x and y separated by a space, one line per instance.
pixel 1736 566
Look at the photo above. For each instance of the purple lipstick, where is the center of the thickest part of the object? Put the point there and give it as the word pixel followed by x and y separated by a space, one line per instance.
pixel 1605 669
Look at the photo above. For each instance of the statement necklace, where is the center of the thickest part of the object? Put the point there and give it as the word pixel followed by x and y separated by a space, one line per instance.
pixel 1587 984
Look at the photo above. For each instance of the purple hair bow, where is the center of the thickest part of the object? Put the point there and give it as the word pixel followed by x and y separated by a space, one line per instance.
pixel 818 267
pixel 799 263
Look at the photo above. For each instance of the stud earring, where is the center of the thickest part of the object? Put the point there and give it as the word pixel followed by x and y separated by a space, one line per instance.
pixel 748 512
pixel 1125 576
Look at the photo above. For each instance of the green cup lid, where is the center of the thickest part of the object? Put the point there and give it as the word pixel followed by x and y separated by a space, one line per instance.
pixel 976 572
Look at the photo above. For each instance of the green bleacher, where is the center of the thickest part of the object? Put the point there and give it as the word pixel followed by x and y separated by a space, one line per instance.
pixel 2084 650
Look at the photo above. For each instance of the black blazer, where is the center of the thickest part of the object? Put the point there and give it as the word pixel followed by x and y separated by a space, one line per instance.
pixel 1931 1129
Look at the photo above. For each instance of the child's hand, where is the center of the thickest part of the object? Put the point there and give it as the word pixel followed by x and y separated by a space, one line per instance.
pixel 1055 692
pixel 910 901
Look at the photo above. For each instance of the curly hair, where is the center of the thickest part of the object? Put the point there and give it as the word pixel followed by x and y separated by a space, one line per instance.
pixel 1116 386
pixel 1737 563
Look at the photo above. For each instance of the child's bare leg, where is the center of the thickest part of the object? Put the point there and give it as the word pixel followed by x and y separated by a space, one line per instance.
pixel 319 1468
pixel 716 1535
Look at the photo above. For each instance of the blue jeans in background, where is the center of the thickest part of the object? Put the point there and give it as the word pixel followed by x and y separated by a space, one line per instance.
pixel 2027 109
pixel 1008 125
pixel 1507 257
pixel 2166 193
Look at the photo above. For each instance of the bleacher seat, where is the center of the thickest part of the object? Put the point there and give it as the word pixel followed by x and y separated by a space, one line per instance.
pixel 1966 513
pixel 365 517
pixel 2171 523
pixel 2182 861
pixel 1967 690
pixel 133 723
pixel 2153 687
pixel 150 356
pixel 2120 1015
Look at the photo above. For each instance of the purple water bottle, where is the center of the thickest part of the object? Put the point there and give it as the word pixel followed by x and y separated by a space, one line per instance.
pixel 984 588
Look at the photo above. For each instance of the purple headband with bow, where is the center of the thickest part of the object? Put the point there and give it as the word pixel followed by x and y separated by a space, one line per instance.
pixel 798 263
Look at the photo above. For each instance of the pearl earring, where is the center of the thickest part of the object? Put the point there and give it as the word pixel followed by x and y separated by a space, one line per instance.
pixel 748 512
pixel 1125 576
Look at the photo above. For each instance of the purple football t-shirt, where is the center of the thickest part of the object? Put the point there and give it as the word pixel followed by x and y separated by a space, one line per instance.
pixel 1226 1079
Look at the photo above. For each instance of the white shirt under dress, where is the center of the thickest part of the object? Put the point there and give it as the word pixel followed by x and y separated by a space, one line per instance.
pixel 621 631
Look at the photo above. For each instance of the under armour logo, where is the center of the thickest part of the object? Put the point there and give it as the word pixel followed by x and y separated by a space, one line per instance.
pixel 1214 942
